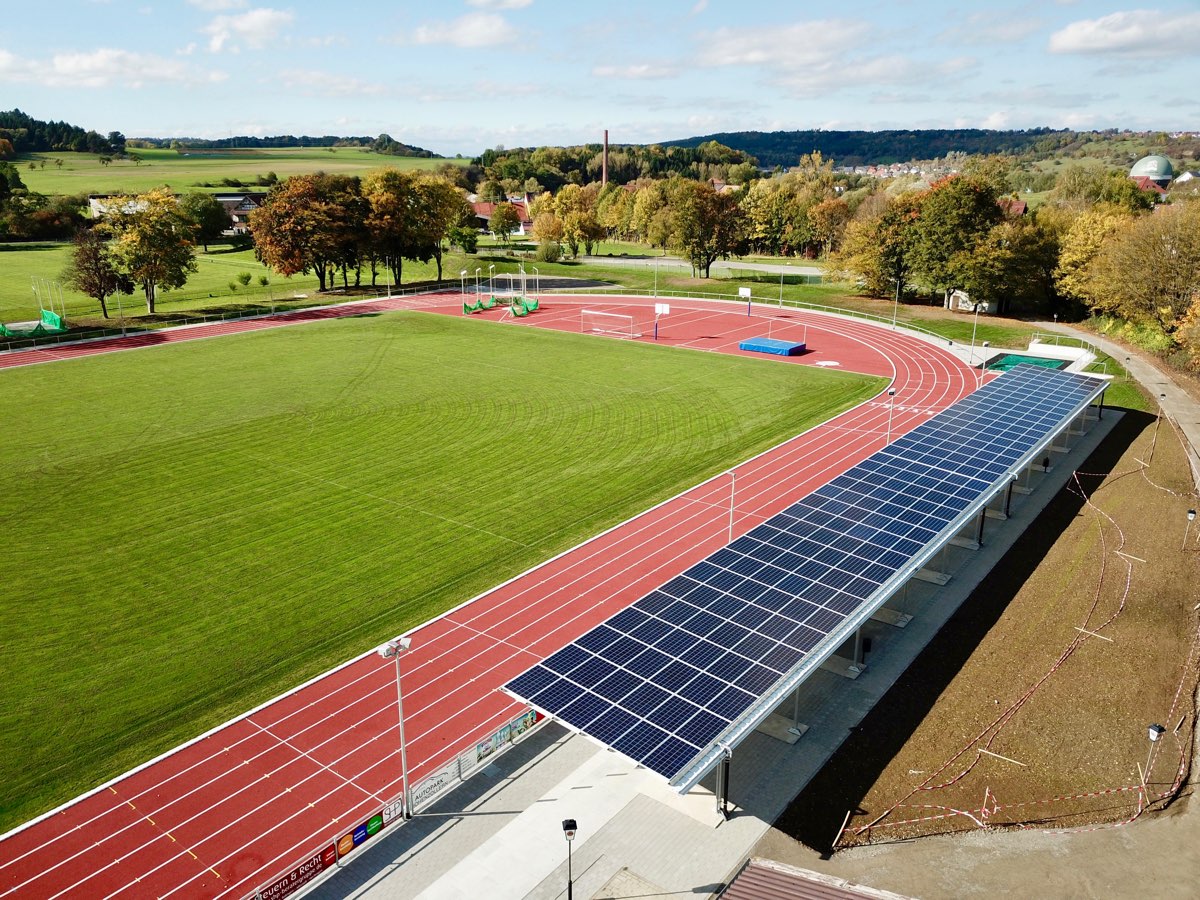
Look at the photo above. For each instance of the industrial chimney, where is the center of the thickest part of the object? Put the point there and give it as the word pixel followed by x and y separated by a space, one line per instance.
pixel 604 164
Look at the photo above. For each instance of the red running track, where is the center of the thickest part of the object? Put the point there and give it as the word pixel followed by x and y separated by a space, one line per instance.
pixel 244 804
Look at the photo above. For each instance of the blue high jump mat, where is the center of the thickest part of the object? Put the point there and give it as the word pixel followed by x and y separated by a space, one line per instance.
pixel 773 346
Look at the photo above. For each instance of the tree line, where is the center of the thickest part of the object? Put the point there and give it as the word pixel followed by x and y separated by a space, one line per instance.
pixel 25 134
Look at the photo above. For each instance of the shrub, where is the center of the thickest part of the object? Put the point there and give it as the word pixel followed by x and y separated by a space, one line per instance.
pixel 548 251
pixel 244 278
pixel 264 280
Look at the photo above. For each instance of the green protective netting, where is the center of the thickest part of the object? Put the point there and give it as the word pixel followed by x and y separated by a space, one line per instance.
pixel 487 303
pixel 52 321
pixel 469 308
pixel 519 309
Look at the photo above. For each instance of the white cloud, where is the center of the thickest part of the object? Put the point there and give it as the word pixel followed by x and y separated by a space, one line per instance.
pixel 1139 33
pixel 102 68
pixel 992 27
pixel 217 5
pixel 328 84
pixel 499 4
pixel 471 30
pixel 253 29
pixel 787 47
pixel 638 71
pixel 699 7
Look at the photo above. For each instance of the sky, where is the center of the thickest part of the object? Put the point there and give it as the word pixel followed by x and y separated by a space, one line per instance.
pixel 459 76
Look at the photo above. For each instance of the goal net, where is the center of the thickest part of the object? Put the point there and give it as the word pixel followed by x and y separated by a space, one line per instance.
pixel 595 321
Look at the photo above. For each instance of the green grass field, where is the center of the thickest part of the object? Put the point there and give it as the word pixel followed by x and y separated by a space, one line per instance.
pixel 82 173
pixel 192 529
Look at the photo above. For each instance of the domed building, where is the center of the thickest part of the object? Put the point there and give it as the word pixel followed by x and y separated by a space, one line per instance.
pixel 1156 168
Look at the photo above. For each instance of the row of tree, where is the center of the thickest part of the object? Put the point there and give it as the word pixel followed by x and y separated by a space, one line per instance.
pixel 24 134
pixel 326 224
pixel 550 168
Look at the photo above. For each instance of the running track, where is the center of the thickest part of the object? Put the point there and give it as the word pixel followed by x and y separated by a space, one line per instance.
pixel 241 806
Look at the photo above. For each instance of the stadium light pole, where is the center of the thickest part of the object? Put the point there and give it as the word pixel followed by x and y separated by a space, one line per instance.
pixel 732 492
pixel 891 409
pixel 569 828
pixel 971 358
pixel 394 649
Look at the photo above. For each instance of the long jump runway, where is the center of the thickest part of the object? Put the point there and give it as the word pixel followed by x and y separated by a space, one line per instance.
pixel 241 806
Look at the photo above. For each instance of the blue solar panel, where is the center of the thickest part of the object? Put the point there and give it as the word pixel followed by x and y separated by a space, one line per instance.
pixel 663 679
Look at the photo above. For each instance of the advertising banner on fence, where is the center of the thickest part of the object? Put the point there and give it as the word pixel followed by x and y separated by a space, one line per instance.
pixel 299 876
pixel 429 787
pixel 354 839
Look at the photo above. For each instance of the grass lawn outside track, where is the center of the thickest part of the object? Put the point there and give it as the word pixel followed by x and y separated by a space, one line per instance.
pixel 193 529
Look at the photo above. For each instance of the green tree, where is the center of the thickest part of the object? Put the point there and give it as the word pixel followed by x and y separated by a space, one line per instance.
pixel 92 270
pixel 828 220
pixel 152 243
pixel 954 216
pixel 439 207
pixel 1080 245
pixel 706 224
pixel 207 215
pixel 503 221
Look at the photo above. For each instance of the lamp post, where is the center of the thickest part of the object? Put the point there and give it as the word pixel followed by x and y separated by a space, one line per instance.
pixel 973 327
pixel 891 409
pixel 569 828
pixel 393 649
pixel 983 362
pixel 732 492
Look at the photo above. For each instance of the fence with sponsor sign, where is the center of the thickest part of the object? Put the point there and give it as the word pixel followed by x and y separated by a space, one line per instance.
pixel 424 792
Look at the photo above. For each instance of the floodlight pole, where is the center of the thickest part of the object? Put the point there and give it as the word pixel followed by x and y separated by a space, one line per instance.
pixel 732 491
pixel 891 409
pixel 971 358
pixel 393 649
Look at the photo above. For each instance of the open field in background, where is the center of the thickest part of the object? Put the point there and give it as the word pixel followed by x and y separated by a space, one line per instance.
pixel 193 529
pixel 82 173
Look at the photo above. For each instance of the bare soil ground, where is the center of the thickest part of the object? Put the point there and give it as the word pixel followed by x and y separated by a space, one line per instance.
pixel 1082 637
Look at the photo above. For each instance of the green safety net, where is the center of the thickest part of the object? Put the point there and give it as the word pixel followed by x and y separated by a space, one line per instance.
pixel 53 321
pixel 487 303
pixel 519 309
pixel 469 308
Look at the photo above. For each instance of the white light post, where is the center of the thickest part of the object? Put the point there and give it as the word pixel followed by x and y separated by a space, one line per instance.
pixel 569 828
pixel 983 362
pixel 732 491
pixel 891 409
pixel 393 649
pixel 973 327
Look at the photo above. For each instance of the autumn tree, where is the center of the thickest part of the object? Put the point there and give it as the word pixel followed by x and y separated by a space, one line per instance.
pixel 503 221
pixel 706 224
pixel 152 242
pixel 1150 271
pixel 876 247
pixel 309 223
pixel 207 215
pixel 439 206
pixel 828 220
pixel 92 270
pixel 1080 245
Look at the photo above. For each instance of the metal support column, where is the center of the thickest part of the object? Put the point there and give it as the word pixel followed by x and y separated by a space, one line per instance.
pixel 979 534
pixel 725 784
pixel 1008 498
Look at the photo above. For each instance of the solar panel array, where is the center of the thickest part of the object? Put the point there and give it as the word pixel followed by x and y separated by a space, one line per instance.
pixel 665 678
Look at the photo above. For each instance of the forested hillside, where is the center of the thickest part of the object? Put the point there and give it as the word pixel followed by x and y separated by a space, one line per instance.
pixel 30 135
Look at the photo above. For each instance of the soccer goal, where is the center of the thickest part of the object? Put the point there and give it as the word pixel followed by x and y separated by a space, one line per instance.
pixel 597 322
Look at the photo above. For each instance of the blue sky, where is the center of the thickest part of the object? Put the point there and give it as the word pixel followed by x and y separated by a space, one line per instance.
pixel 457 76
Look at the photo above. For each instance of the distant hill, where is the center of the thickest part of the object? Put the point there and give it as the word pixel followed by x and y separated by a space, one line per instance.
pixel 859 148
